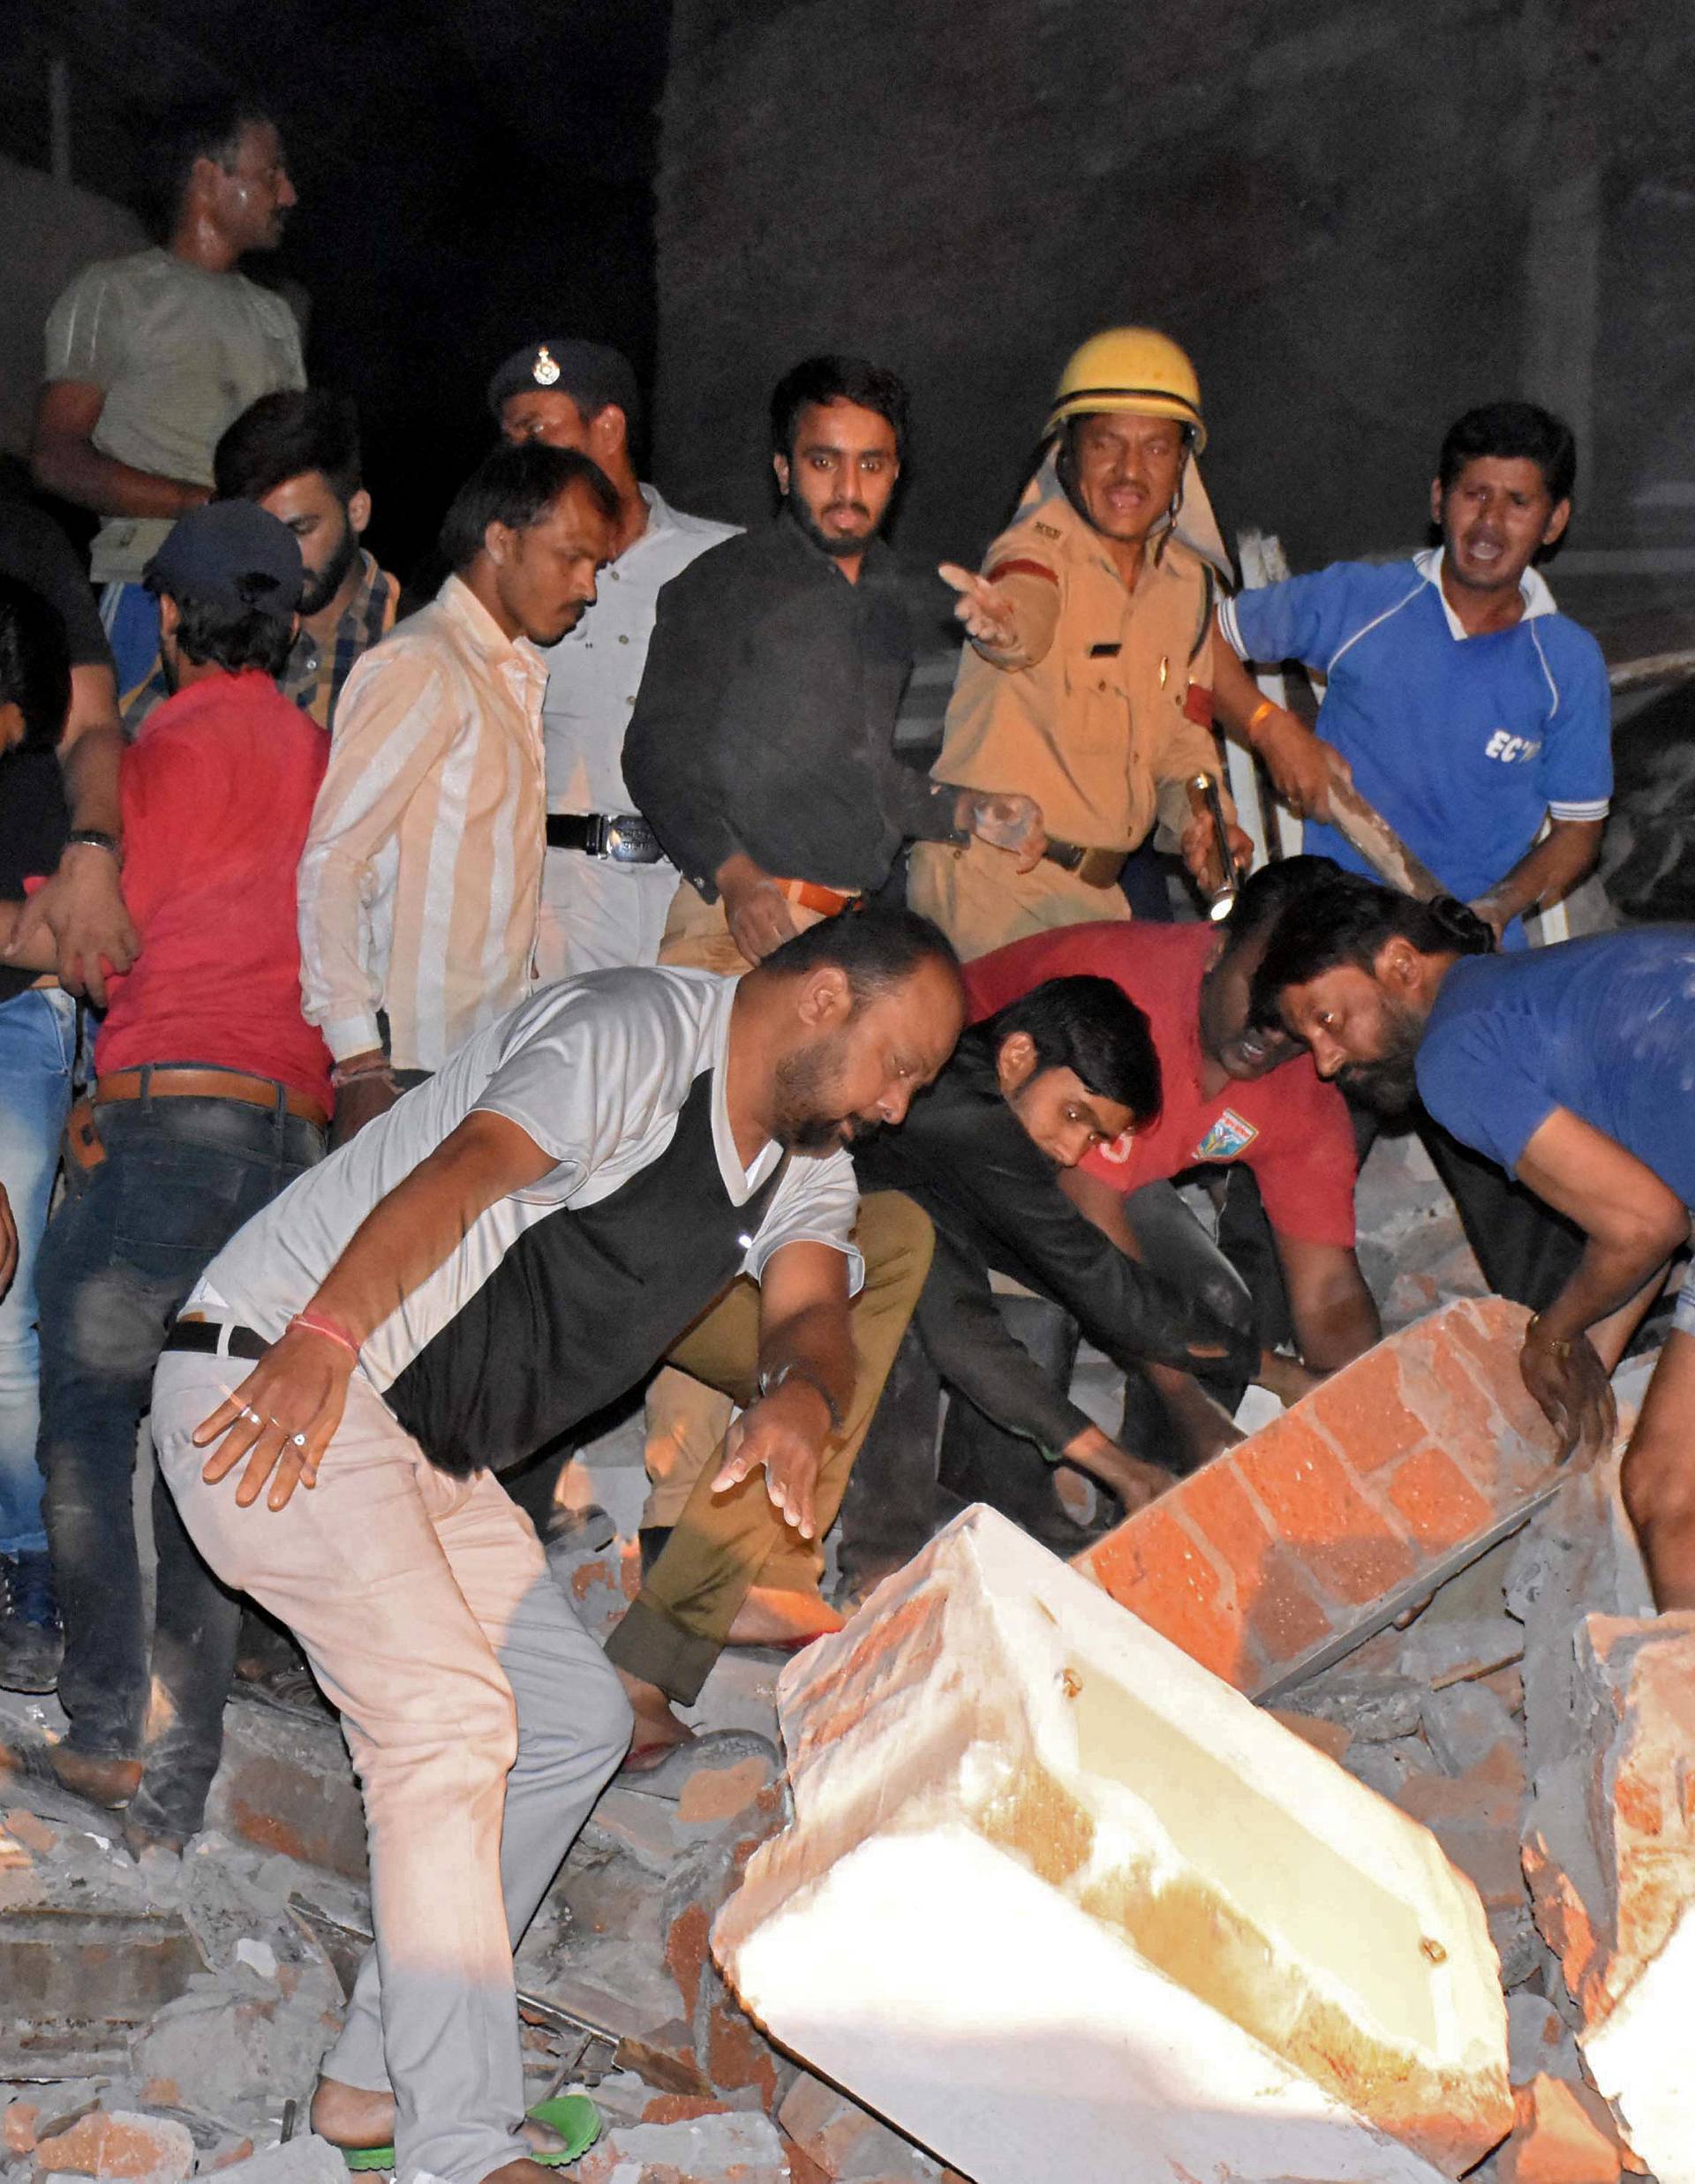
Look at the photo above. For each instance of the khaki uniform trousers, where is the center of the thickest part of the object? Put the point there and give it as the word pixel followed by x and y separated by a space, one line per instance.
pixel 981 902
pixel 686 1423
pixel 722 1544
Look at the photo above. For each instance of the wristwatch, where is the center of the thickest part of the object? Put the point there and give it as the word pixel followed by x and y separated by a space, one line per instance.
pixel 769 1383
pixel 95 838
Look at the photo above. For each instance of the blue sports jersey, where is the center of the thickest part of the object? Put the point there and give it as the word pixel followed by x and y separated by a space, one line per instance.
pixel 1463 744
pixel 1604 1027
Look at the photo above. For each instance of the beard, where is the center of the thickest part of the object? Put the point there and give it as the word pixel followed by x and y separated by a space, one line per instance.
pixel 320 589
pixel 1389 1084
pixel 838 548
pixel 806 1113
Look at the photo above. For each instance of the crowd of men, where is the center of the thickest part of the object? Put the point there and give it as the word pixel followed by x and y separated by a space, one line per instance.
pixel 567 988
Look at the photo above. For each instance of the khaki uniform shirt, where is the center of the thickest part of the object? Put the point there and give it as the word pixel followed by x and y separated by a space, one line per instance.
pixel 179 353
pixel 1101 707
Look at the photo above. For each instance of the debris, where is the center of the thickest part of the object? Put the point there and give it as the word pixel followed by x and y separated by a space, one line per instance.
pixel 1281 1554
pixel 1539 2040
pixel 846 2142
pixel 729 2147
pixel 1557 2137
pixel 306 2159
pixel 18 2127
pixel 1010 1796
pixel 118 2143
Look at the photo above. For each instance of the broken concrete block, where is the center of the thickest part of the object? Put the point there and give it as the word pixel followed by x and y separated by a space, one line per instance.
pixel 307 2159
pixel 1558 2138
pixel 228 2049
pixel 848 2145
pixel 1283 1554
pixel 148 2150
pixel 1053 1885
pixel 730 2147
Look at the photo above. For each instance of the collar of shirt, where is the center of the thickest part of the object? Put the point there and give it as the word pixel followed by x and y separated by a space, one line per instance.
pixel 878 566
pixel 740 1182
pixel 516 658
pixel 369 614
pixel 1533 590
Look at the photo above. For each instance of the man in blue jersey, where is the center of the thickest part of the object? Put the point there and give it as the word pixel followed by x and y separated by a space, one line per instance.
pixel 1468 709
pixel 1571 1067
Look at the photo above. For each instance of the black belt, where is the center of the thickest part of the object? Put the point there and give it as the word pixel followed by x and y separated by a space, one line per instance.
pixel 216 1338
pixel 1096 868
pixel 620 837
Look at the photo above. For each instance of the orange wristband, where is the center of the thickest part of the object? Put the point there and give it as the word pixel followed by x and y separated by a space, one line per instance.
pixel 317 1323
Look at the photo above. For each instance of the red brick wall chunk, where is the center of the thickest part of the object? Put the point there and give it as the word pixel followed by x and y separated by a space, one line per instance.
pixel 1294 1546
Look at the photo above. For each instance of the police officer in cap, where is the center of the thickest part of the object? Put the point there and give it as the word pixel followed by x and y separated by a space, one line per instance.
pixel 1087 681
pixel 606 885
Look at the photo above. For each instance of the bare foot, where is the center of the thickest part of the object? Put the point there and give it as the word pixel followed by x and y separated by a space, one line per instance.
pixel 768 1616
pixel 353 2116
pixel 658 1730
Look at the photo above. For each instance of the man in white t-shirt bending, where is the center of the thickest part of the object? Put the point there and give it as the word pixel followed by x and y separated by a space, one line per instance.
pixel 515 1244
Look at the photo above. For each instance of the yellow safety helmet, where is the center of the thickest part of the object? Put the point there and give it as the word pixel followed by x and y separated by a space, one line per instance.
pixel 1130 367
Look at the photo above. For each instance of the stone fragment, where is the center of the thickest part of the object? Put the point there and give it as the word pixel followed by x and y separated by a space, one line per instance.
pixel 1373 1709
pixel 227 2049
pixel 848 2145
pixel 148 2150
pixel 1332 1738
pixel 1285 1553
pixel 18 2127
pixel 1466 1724
pixel 1054 1890
pixel 730 2147
pixel 306 2159
pixel 720 1793
pixel 1539 2040
pixel 1557 2139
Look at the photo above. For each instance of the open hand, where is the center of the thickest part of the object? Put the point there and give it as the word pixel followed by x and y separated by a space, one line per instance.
pixel 985 610
pixel 281 1419
pixel 785 1432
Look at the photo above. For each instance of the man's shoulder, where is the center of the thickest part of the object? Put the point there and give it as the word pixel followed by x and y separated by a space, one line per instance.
pixel 1568 643
pixel 1300 1110
pixel 652 1013
pixel 134 269
pixel 1049 533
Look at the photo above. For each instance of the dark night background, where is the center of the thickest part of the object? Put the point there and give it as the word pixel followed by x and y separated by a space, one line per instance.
pixel 471 178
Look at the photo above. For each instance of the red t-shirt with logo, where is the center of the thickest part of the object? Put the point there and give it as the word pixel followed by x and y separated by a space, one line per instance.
pixel 216 793
pixel 1290 1127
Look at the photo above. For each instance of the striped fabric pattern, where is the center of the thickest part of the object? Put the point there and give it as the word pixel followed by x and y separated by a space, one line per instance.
pixel 422 874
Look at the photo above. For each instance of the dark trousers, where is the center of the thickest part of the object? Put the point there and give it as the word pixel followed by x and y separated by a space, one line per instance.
pixel 179 1178
pixel 905 1484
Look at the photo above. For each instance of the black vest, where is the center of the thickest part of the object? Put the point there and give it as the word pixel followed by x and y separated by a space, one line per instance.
pixel 582 1307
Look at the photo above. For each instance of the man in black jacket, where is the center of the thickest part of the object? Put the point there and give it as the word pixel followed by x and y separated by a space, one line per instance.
pixel 1026 1094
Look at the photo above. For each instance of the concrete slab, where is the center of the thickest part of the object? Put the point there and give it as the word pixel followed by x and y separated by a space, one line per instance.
pixel 1059 1902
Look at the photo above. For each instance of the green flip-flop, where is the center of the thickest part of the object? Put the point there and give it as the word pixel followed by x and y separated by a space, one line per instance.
pixel 573 2115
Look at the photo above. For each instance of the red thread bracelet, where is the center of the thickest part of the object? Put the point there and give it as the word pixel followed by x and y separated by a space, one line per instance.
pixel 328 1329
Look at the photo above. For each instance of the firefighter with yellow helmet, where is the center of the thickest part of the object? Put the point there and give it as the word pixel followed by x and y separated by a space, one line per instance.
pixel 1086 683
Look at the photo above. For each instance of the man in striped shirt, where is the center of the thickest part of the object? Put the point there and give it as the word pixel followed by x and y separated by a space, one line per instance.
pixel 422 875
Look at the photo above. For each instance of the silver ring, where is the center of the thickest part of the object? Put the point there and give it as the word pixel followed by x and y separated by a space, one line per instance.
pixel 252 1418
pixel 299 1439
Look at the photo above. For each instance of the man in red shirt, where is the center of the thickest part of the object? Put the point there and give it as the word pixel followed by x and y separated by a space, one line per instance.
pixel 1233 1095
pixel 212 1093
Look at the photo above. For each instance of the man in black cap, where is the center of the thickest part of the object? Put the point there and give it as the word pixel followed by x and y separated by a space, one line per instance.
pixel 212 1092
pixel 606 884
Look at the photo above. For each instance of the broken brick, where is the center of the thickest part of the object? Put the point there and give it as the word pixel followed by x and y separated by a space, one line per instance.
pixel 1316 1530
pixel 149 2149
pixel 844 2142
pixel 18 2127
pixel 1556 2139
pixel 1286 1978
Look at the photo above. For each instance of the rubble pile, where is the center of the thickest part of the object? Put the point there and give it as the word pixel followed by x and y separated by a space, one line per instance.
pixel 1362 1850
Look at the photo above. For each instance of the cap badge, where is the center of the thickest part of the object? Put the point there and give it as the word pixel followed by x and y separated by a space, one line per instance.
pixel 545 370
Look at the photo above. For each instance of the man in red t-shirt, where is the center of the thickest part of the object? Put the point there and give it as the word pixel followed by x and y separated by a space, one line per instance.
pixel 212 1093
pixel 1233 1095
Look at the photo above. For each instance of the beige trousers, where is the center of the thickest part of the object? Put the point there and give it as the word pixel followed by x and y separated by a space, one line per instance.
pixel 981 902
pixel 483 1721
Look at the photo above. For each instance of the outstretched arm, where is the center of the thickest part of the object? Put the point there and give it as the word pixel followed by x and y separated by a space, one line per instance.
pixel 806 1340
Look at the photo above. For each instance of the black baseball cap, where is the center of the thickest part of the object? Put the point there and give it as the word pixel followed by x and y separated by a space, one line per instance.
pixel 588 372
pixel 230 554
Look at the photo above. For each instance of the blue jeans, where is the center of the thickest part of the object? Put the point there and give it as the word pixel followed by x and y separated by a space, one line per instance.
pixel 180 1176
pixel 38 1033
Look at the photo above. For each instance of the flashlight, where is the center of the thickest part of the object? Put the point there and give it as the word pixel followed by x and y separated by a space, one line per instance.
pixel 1204 797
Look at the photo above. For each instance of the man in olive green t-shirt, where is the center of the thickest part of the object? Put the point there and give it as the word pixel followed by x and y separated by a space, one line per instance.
pixel 150 356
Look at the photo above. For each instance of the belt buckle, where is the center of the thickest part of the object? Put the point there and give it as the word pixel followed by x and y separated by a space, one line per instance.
pixel 627 838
